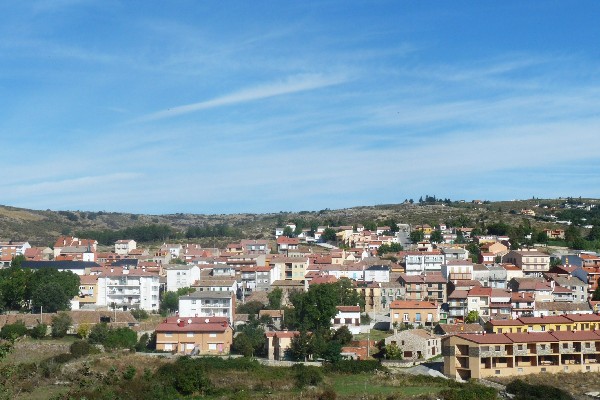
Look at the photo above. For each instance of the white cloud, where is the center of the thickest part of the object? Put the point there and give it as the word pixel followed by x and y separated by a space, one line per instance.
pixel 295 84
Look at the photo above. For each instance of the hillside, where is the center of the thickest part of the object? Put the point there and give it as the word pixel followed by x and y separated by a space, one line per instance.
pixel 42 227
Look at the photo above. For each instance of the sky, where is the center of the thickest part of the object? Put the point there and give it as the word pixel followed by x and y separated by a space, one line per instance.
pixel 264 106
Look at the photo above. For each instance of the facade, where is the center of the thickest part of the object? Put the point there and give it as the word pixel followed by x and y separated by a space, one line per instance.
pixel 556 323
pixel 128 289
pixel 196 336
pixel 414 312
pixel 431 287
pixel 124 246
pixel 470 356
pixel 348 316
pixel 423 261
pixel 208 304
pixel 181 276
pixel 531 262
pixel 457 270
pixel 290 268
pixel 278 342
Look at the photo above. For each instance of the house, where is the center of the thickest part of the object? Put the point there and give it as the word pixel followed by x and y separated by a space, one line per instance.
pixel 255 246
pixel 455 253
pixel 124 246
pixel 522 303
pixel 546 308
pixel 371 293
pixel 208 304
pixel 531 262
pixel 457 270
pixel 278 342
pixel 457 305
pixel 12 249
pixel 377 273
pixel 469 356
pixel 416 344
pixel 285 244
pixel 414 312
pixel 181 276
pixel 554 234
pixel 275 315
pixel 453 329
pixel 479 300
pixel 257 278
pixel 196 336
pixel 348 316
pixel 289 268
pixel 74 247
pixel 88 292
pixel 555 323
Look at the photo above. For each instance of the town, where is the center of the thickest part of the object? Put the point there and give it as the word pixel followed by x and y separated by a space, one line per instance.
pixel 469 301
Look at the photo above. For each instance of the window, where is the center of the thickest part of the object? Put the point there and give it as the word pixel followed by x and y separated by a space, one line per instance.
pixel 497 372
pixel 565 345
pixel 543 346
pixel 543 328
pixel 497 348
pixel 588 345
pixel 519 370
pixel 519 347
pixel 543 369
pixel 405 319
pixel 213 335
pixel 485 348
pixel 190 334
pixel 168 334
pixel 418 317
pixel 212 346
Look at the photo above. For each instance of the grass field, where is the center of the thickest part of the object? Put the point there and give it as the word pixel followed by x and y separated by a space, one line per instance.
pixel 373 335
pixel 367 384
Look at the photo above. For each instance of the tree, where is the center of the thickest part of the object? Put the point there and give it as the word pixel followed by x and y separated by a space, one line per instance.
pixel 61 323
pixel 251 307
pixel 329 235
pixel 416 236
pixel 169 302
pixel 299 349
pixel 389 248
pixel 393 352
pixel 436 237
pixel 52 289
pixel 287 231
pixel 342 335
pixel 51 296
pixel 17 261
pixel 472 317
pixel 14 284
pixel 39 331
pixel 275 297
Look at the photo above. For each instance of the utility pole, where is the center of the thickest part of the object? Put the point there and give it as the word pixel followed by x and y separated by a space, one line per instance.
pixel 41 314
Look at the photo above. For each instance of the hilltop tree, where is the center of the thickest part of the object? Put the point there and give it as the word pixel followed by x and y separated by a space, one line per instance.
pixel 329 235
pixel 416 236
pixel 436 237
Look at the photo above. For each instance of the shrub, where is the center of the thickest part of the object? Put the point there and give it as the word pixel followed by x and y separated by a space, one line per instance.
pixel 354 366
pixel 83 331
pixel 82 348
pixel 13 331
pixel 186 375
pixel 98 333
pixel 129 373
pixel 39 331
pixel 139 314
pixel 307 375
pixel 61 323
pixel 470 391
pixel 525 391
pixel 120 338
pixel 142 344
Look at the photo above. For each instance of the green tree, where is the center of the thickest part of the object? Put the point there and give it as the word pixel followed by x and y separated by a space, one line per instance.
pixel 99 333
pixel 61 323
pixel 596 293
pixel 299 349
pixel 436 237
pixel 51 297
pixel 17 261
pixel 52 289
pixel 472 317
pixel 14 283
pixel 329 235
pixel 342 335
pixel 13 331
pixel 416 236
pixel 287 231
pixel 250 307
pixel 275 297
pixel 393 352
pixel 39 331
pixel 169 302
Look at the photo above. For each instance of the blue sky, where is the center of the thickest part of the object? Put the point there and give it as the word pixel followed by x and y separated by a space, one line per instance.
pixel 220 107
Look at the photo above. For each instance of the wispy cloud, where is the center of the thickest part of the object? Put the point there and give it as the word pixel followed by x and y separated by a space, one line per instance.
pixel 295 84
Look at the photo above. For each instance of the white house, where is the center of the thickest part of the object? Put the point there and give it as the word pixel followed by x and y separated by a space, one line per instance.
pixel 124 246
pixel 347 316
pixel 423 261
pixel 377 273
pixel 181 276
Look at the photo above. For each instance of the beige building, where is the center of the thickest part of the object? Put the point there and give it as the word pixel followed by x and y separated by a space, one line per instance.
pixel 468 356
pixel 197 336
pixel 278 342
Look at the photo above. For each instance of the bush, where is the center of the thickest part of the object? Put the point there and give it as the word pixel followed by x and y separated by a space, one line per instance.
pixel 120 338
pixel 61 323
pixel 470 391
pixel 354 366
pixel 307 375
pixel 129 373
pixel 13 331
pixel 142 344
pixel 98 333
pixel 525 391
pixel 139 314
pixel 82 348
pixel 39 332
pixel 83 331
pixel 186 375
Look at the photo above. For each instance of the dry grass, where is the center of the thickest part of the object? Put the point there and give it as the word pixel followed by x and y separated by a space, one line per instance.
pixel 576 384
pixel 22 215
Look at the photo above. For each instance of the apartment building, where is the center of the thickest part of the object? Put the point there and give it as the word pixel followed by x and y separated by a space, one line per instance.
pixel 414 312
pixel 128 289
pixel 208 304
pixel 418 262
pixel 472 356
pixel 196 336
pixel 421 287
pixel 531 262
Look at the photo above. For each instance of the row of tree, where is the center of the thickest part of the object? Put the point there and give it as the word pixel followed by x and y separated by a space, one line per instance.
pixel 47 289
pixel 142 233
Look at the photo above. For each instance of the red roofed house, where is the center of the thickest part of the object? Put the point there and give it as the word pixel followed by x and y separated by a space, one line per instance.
pixel 285 243
pixel 197 336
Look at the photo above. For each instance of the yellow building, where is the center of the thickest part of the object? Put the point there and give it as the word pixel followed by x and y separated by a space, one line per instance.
pixel 468 356
pixel 197 335
pixel 554 323
pixel 414 312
